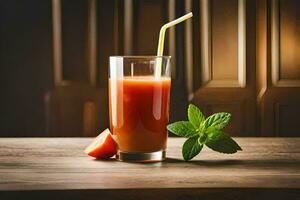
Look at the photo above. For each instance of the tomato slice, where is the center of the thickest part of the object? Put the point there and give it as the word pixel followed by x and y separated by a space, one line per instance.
pixel 103 146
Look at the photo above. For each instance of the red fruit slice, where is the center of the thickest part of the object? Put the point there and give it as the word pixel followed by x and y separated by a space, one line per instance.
pixel 103 146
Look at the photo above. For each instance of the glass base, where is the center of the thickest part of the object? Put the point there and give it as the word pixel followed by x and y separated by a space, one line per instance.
pixel 156 156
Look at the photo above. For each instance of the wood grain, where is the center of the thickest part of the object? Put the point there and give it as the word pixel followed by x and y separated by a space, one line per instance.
pixel 51 167
pixel 279 88
pixel 220 95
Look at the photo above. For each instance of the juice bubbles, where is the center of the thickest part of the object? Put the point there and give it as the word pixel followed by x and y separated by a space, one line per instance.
pixel 139 112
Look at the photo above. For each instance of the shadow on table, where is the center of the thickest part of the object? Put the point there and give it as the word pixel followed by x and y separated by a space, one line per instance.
pixel 251 163
pixel 207 162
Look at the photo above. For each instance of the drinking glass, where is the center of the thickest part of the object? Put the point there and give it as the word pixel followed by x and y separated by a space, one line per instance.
pixel 139 95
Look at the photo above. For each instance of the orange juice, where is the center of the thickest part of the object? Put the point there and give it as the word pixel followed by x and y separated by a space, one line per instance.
pixel 139 112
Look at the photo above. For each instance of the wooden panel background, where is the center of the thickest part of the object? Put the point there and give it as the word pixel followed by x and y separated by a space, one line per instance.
pixel 289 31
pixel 279 88
pixel 25 65
pixel 224 43
pixel 227 62
pixel 239 56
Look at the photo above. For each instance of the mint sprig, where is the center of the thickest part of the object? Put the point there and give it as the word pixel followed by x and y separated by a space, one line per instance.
pixel 202 131
pixel 191 148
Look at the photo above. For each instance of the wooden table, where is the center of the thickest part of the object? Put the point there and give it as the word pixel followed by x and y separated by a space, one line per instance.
pixel 57 168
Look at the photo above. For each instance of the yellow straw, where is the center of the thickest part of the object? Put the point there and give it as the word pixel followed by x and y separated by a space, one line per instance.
pixel 163 29
pixel 161 40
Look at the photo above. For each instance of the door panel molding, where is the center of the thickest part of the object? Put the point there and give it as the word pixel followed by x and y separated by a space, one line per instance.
pixel 128 26
pixel 275 49
pixel 284 111
pixel 189 51
pixel 92 41
pixel 172 36
pixel 57 41
pixel 228 91
pixel 278 104
pixel 206 47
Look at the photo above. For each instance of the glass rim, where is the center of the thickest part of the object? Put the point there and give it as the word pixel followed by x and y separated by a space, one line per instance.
pixel 141 57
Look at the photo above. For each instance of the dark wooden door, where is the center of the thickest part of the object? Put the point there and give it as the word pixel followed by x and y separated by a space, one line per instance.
pixel 278 61
pixel 240 56
pixel 226 78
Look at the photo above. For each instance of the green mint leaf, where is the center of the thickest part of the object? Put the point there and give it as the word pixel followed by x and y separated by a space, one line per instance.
pixel 182 128
pixel 221 142
pixel 202 139
pixel 195 116
pixel 201 131
pixel 217 120
pixel 191 148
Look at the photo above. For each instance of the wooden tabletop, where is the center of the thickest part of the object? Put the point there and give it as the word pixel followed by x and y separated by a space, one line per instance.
pixel 47 168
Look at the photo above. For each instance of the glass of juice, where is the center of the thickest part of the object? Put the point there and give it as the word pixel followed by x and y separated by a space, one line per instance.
pixel 139 95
